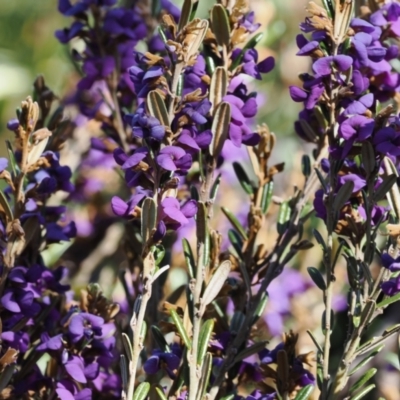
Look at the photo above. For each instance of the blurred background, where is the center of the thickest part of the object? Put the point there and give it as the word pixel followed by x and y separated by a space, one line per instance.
pixel 28 47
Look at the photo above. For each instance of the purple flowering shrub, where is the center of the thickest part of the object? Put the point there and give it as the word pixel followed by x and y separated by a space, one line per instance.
pixel 165 100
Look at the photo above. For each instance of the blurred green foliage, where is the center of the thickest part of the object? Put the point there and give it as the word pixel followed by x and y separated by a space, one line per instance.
pixel 28 47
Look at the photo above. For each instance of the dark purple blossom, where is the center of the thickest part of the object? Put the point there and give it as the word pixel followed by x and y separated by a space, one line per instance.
pixel 174 158
pixel 392 286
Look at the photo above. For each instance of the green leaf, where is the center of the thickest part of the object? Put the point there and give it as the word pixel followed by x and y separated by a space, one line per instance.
pixel 320 240
pixel 366 360
pixel 205 376
pixel 384 187
pixel 260 307
pixel 305 392
pixel 321 179
pixel 215 284
pixel 228 397
pixel 220 128
pixel 235 223
pixel 161 393
pixel 365 391
pixel 329 7
pixel 251 350
pixel 317 277
pixel 13 162
pixel 160 339
pixel 218 87
pixel 149 217
pixel 267 196
pixel 283 217
pixel 141 391
pixel 363 379
pixel 127 345
pixel 342 196
pixel 220 25
pixel 6 207
pixel 306 165
pixel 155 8
pixel 368 157
pixel 204 338
pixel 159 254
pixel 156 106
pixel 185 14
pixel 388 300
pixel 236 241
pixel 124 371
pixel 236 322
pixel 189 258
pixel 181 329
pixel 210 65
pixel 243 178
pixel 215 187
pixel 6 376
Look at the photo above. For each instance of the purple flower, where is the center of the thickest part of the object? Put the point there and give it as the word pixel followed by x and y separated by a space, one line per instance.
pixel 197 112
pixel 167 360
pixel 3 164
pixel 173 158
pixel 146 126
pixel 67 34
pixel 174 215
pixel 357 127
pixel 393 264
pixel 326 65
pixel 387 142
pixel 251 66
pixel 126 209
pixel 85 325
pixel 392 286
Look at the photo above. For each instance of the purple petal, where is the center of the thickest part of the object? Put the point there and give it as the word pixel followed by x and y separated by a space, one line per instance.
pixel 297 94
pixel 74 368
pixel 189 209
pixel 165 161
pixel 119 206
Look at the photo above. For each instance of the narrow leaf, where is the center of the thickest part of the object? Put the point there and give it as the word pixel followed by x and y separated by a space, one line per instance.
pixel 216 283
pixel 141 391
pixel 251 350
pixel 243 178
pixel 317 277
pixel 189 258
pixel 388 301
pixel 365 391
pixel 363 379
pixel 283 217
pixel 204 338
pixel 185 14
pixel 235 223
pixel 366 360
pixel 368 157
pixel 220 25
pixel 38 149
pixel 160 339
pixel 6 207
pixel 218 87
pixel 384 187
pixel 236 242
pixel 305 392
pixel 215 187
pixel 156 106
pixel 149 217
pixel 124 372
pixel 320 239
pixel 161 393
pixel 267 196
pixel 306 165
pixel 127 346
pixel 181 329
pixel 205 376
pixel 343 195
pixel 220 128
